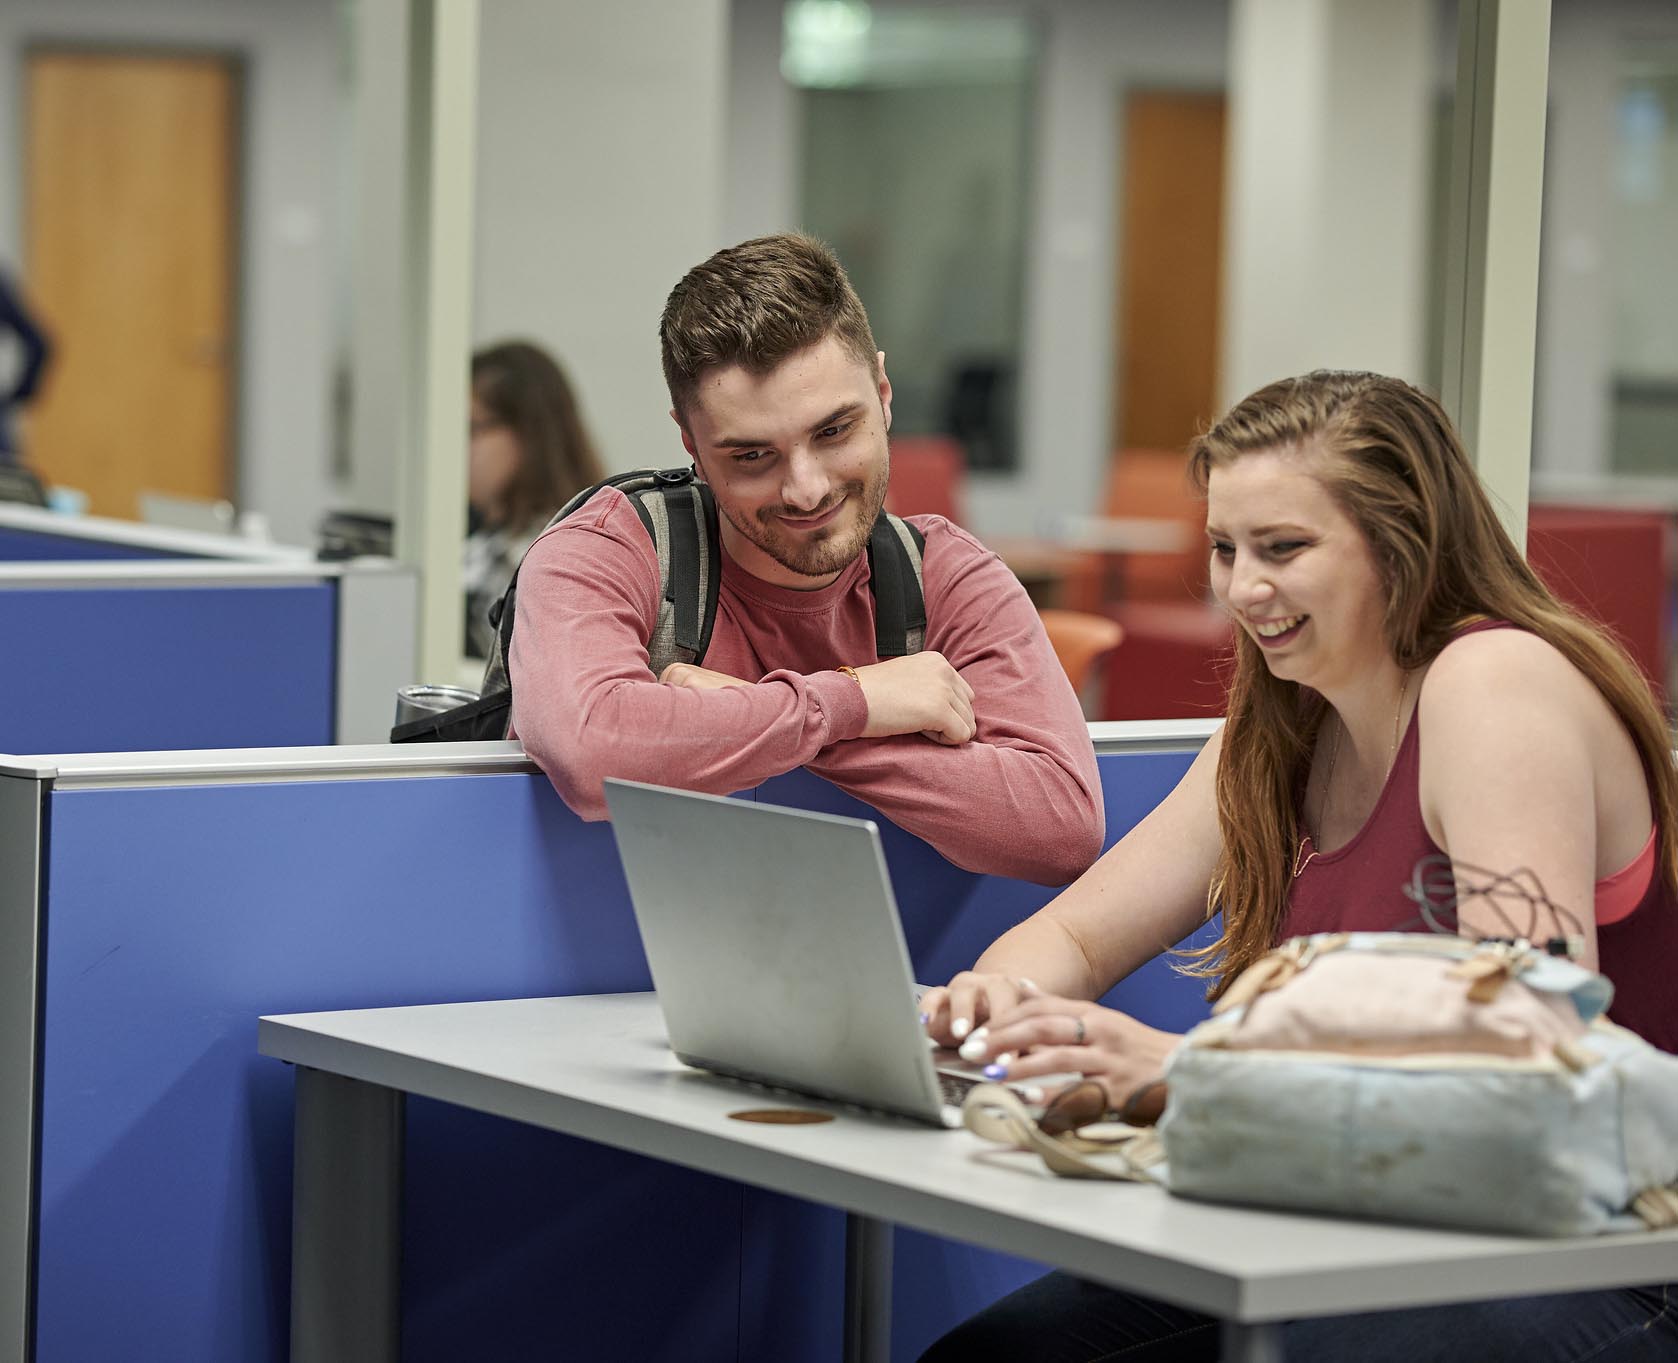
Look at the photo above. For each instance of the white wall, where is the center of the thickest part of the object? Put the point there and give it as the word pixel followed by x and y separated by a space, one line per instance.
pixel 600 183
pixel 1094 50
pixel 285 330
pixel 763 131
pixel 1326 195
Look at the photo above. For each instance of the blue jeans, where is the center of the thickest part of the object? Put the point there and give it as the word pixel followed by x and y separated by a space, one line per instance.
pixel 1062 1319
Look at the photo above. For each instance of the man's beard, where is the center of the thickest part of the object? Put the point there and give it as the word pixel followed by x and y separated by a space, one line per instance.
pixel 828 549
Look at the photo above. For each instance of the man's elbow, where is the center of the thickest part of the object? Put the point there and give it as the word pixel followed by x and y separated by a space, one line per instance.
pixel 578 781
pixel 1066 854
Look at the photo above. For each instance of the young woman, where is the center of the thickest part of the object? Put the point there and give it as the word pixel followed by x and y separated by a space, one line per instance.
pixel 1404 685
pixel 529 453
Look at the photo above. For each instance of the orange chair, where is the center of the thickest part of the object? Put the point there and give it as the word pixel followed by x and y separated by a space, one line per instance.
pixel 928 475
pixel 1153 484
pixel 1081 641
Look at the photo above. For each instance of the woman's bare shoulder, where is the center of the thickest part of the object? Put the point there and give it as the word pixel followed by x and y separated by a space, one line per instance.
pixel 1496 679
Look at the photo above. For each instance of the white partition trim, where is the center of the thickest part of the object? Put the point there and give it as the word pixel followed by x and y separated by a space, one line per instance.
pixel 105 575
pixel 1152 735
pixel 21 819
pixel 377 637
pixel 136 535
pixel 221 766
pixel 375 760
pixel 442 126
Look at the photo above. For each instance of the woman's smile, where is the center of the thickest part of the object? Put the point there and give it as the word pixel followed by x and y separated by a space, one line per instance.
pixel 1275 633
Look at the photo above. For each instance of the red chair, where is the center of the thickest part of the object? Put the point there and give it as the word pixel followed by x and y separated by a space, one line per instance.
pixel 928 476
pixel 1613 566
pixel 1174 663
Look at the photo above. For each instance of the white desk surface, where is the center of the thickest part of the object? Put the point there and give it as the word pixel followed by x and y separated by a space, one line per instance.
pixel 598 1067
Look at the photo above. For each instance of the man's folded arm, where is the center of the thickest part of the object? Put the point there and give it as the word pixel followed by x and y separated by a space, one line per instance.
pixel 1025 813
pixel 1023 798
pixel 586 707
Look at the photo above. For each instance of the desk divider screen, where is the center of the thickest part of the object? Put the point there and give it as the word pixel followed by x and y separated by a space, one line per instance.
pixel 155 668
pixel 176 914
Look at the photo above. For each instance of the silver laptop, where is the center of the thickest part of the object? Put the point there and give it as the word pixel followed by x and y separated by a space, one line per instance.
pixel 776 949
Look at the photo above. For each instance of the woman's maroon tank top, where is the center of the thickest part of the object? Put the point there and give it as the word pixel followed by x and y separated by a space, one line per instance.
pixel 1360 887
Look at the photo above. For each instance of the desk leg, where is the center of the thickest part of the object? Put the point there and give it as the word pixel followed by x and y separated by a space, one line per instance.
pixel 1251 1343
pixel 867 1290
pixel 346 1227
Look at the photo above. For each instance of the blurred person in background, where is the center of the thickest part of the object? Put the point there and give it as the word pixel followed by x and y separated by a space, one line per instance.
pixel 18 383
pixel 529 453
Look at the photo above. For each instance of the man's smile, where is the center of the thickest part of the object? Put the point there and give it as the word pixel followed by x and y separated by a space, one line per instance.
pixel 811 520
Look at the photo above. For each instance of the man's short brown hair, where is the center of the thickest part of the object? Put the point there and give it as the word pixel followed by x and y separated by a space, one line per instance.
pixel 754 305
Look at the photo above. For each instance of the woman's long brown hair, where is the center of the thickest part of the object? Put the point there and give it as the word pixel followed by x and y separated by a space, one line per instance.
pixel 1392 462
pixel 525 390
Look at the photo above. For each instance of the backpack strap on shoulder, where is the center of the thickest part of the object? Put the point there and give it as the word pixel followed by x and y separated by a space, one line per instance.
pixel 695 564
pixel 497 668
pixel 681 517
pixel 894 559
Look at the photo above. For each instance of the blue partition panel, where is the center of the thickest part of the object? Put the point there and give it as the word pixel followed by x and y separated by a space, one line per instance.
pixel 177 915
pixel 154 669
pixel 32 546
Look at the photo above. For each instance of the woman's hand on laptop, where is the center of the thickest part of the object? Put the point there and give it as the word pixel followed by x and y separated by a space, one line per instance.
pixel 1044 1035
pixel 951 1012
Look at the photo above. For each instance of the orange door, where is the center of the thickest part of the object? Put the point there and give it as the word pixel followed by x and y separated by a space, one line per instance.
pixel 130 222
pixel 1171 225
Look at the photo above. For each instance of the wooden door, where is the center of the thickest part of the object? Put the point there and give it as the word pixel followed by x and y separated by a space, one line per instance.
pixel 131 235
pixel 1169 268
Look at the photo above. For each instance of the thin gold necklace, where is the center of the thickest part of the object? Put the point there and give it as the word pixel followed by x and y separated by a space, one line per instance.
pixel 1302 858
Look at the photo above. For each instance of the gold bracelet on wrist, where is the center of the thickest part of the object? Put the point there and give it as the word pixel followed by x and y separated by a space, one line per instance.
pixel 849 672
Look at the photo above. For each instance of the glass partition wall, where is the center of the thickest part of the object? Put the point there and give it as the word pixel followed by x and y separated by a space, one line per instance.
pixel 916 165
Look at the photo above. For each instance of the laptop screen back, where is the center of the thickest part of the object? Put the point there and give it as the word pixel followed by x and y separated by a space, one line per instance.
pixel 774 945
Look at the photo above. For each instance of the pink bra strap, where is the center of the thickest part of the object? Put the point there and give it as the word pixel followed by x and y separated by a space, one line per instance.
pixel 1617 895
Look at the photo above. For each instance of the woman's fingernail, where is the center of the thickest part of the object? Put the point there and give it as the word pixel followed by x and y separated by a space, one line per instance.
pixel 1033 1095
pixel 925 1018
pixel 995 1070
pixel 974 1047
pixel 959 1027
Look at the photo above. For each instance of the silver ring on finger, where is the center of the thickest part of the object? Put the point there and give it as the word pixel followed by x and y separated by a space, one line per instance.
pixel 1078 1036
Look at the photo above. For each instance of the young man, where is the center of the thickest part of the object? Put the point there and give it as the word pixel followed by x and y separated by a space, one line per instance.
pixel 976 744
